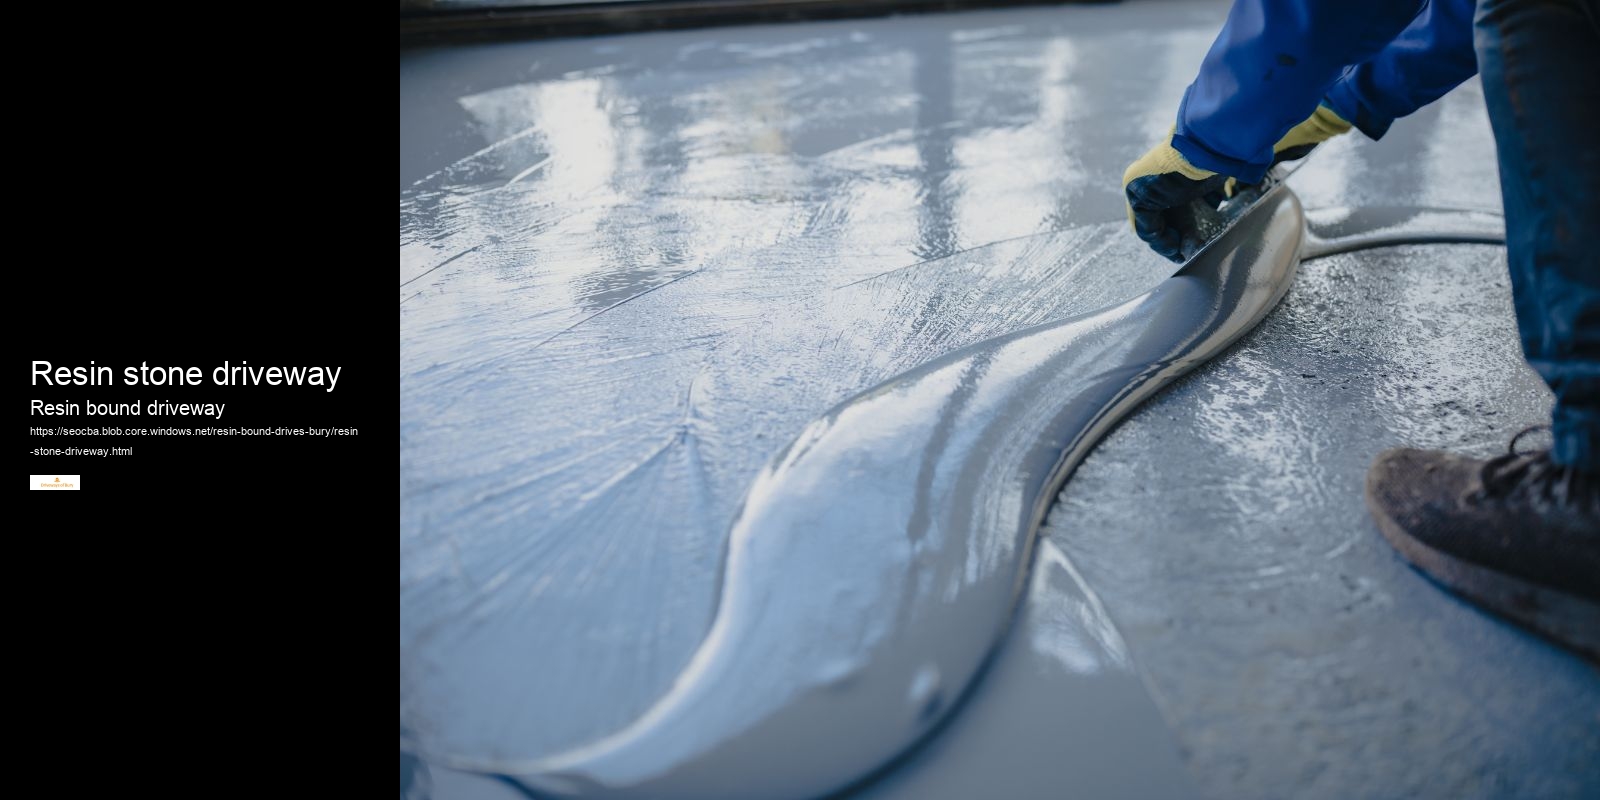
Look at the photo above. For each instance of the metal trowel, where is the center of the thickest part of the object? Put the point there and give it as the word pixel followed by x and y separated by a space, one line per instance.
pixel 1202 221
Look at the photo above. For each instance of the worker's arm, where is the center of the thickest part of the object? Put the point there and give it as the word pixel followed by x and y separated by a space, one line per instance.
pixel 1269 68
pixel 1433 55
pixel 1265 75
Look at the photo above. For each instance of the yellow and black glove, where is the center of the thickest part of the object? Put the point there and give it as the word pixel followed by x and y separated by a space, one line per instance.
pixel 1299 141
pixel 1322 125
pixel 1158 186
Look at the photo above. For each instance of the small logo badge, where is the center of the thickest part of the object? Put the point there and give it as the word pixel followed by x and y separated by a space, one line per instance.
pixel 53 482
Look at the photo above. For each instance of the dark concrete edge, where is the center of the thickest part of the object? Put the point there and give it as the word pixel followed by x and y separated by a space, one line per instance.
pixel 436 27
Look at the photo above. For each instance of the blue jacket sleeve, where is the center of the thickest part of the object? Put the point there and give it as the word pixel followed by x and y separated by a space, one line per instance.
pixel 1269 68
pixel 1429 58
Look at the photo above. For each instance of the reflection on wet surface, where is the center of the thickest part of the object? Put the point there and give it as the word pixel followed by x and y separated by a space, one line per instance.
pixel 632 268
pixel 658 263
pixel 819 668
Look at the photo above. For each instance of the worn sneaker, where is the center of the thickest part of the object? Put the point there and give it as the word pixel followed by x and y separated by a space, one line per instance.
pixel 1518 534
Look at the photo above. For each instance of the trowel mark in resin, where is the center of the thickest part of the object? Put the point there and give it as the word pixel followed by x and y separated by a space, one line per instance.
pixel 876 561
pixel 1342 230
pixel 873 565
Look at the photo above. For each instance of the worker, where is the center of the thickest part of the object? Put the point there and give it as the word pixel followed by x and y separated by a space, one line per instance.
pixel 1518 534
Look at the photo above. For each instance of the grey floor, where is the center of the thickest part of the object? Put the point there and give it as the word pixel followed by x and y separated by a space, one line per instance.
pixel 1292 651
pixel 633 267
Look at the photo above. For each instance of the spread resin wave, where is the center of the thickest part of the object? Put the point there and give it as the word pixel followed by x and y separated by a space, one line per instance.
pixel 876 560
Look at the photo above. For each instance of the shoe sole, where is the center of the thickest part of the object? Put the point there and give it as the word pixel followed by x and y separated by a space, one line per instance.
pixel 1563 618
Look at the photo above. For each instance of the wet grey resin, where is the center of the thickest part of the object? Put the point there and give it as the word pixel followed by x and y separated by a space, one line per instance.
pixel 934 484
pixel 634 268
pixel 876 560
pixel 1344 230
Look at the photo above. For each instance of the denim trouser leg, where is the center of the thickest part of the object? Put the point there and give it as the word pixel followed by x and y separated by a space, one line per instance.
pixel 1540 61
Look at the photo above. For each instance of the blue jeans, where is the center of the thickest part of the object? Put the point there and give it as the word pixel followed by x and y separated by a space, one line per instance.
pixel 1540 61
pixel 1541 80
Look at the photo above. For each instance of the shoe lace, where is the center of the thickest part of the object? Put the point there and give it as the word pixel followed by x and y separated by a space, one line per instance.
pixel 1511 448
pixel 1503 473
pixel 1534 470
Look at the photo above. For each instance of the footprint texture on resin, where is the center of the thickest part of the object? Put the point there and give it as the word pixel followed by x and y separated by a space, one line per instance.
pixel 876 560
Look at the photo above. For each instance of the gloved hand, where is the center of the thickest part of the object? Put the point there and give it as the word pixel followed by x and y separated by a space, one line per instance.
pixel 1298 142
pixel 1158 186
pixel 1321 126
